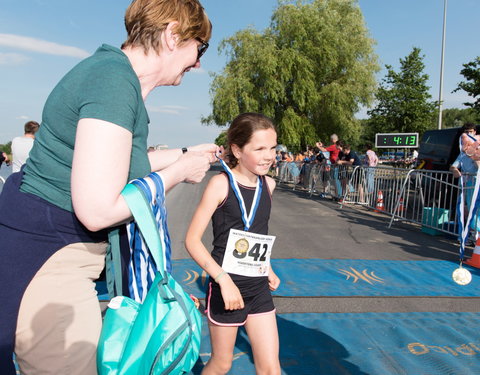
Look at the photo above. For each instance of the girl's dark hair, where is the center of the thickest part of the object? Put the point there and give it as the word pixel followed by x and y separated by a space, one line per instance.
pixel 242 129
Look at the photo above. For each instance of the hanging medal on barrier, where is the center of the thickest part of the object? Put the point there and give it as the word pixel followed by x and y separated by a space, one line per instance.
pixel 461 275
pixel 247 253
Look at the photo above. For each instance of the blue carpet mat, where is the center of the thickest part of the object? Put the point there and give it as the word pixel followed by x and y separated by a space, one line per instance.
pixel 368 344
pixel 346 277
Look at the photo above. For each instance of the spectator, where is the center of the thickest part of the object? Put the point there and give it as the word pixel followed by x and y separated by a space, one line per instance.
pixel 57 212
pixel 21 146
pixel 332 149
pixel 467 167
pixel 348 157
pixel 371 161
pixel 4 158
pixel 371 158
pixel 470 142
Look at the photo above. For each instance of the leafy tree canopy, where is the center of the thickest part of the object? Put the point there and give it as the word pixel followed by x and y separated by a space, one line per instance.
pixel 471 72
pixel 221 140
pixel 403 99
pixel 7 148
pixel 310 71
pixel 456 117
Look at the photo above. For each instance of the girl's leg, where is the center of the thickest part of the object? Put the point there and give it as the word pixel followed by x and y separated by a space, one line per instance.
pixel 263 334
pixel 223 341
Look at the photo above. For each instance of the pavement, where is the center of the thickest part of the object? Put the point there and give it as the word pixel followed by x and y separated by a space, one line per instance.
pixel 315 229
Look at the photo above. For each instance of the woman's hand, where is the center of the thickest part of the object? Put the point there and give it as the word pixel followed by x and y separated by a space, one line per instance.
pixel 209 149
pixel 194 165
pixel 231 294
pixel 273 280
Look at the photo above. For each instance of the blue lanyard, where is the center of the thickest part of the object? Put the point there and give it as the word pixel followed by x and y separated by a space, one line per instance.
pixel 247 219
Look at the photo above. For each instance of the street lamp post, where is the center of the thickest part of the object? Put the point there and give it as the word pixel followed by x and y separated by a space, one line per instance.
pixel 440 96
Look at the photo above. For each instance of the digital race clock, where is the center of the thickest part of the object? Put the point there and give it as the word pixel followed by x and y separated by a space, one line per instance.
pixel 396 140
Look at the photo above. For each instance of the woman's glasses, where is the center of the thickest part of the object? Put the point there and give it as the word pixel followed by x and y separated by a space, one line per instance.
pixel 202 48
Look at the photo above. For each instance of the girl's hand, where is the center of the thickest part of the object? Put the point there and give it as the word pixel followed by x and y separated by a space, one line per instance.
pixel 230 294
pixel 273 280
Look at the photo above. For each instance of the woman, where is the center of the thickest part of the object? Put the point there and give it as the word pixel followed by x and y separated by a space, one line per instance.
pixel 370 163
pixel 61 205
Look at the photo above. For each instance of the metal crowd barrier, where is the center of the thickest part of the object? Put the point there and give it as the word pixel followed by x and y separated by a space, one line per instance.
pixel 289 172
pixel 431 198
pixel 423 197
pixel 330 181
pixel 313 177
pixel 376 187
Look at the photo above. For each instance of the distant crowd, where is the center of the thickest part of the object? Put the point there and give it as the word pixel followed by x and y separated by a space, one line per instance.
pixel 337 153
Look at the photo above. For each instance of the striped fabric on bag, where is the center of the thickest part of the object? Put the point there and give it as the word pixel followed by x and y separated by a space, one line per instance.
pixel 142 267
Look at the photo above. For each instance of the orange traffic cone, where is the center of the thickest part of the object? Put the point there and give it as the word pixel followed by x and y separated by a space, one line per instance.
pixel 401 207
pixel 379 206
pixel 474 261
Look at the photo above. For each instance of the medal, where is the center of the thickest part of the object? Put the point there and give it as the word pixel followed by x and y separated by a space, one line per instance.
pixel 462 276
pixel 246 218
pixel 242 245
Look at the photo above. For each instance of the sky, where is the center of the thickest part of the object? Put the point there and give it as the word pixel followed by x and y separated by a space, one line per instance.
pixel 41 40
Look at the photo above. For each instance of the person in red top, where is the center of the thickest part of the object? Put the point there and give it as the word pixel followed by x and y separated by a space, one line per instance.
pixel 332 149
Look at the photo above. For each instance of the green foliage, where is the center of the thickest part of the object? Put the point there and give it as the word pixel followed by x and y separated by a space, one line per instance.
pixel 221 140
pixel 471 72
pixel 310 71
pixel 7 148
pixel 455 117
pixel 403 99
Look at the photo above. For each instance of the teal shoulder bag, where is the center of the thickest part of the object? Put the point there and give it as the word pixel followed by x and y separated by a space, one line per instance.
pixel 159 336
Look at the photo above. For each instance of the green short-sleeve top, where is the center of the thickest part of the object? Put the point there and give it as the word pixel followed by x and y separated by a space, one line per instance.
pixel 104 86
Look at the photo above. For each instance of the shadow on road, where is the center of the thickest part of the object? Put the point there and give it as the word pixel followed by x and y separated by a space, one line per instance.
pixel 405 236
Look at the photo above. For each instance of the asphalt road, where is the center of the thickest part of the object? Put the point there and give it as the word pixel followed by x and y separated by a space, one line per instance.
pixel 319 228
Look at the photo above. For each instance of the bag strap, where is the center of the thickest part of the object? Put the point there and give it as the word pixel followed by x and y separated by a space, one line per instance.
pixel 143 215
pixel 113 265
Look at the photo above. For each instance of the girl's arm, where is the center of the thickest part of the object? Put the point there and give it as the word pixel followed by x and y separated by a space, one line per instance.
pixel 214 194
pixel 273 280
pixel 271 184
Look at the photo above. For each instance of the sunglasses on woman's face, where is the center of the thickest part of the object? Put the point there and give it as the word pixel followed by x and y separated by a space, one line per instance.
pixel 202 48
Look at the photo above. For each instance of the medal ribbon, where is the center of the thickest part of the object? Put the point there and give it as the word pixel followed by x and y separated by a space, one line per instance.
pixel 247 219
pixel 474 204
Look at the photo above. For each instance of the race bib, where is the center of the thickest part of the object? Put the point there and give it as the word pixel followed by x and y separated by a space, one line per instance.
pixel 248 254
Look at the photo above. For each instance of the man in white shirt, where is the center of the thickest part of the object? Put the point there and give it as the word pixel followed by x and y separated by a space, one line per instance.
pixel 21 146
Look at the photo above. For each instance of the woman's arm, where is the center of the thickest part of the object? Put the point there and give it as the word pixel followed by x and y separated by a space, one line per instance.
pixel 161 159
pixel 101 161
pixel 214 194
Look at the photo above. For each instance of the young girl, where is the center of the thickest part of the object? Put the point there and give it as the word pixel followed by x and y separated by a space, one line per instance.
pixel 241 279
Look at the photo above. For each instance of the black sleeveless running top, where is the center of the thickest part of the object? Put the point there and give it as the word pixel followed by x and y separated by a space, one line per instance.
pixel 228 215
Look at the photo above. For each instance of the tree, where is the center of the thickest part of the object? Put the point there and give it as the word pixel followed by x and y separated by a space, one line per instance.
pixel 221 140
pixel 310 71
pixel 456 117
pixel 403 99
pixel 471 72
pixel 7 148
